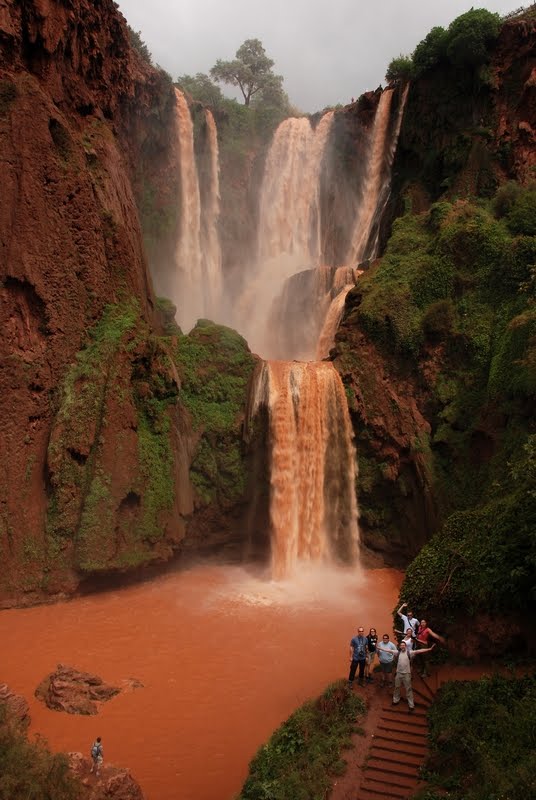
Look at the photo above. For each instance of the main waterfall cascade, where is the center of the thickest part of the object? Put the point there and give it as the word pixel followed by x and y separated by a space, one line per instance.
pixel 290 309
pixel 313 508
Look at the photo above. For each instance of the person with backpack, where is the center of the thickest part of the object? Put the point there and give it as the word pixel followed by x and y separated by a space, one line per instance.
pixel 97 755
pixel 358 657
pixel 403 673
pixel 408 619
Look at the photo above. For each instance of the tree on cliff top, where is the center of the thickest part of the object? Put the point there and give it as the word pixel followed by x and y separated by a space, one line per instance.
pixel 202 88
pixel 251 71
pixel 470 35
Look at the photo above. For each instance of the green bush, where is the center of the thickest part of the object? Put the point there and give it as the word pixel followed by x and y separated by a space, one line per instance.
pixel 400 69
pixel 301 757
pixel 29 770
pixel 521 216
pixel 483 739
pixel 431 50
pixel 470 35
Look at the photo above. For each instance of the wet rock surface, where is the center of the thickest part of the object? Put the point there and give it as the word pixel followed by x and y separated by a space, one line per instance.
pixel 75 692
pixel 112 783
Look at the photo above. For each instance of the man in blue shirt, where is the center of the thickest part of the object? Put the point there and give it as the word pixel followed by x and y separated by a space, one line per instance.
pixel 358 657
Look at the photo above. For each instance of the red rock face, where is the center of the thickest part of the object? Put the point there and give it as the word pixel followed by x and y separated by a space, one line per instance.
pixel 16 707
pixel 72 95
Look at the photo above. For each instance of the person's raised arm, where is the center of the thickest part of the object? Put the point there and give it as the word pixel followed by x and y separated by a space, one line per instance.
pixel 422 651
pixel 399 612
pixel 436 636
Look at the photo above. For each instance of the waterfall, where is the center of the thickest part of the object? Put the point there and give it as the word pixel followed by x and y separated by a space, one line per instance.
pixel 313 508
pixel 377 178
pixel 212 267
pixel 298 315
pixel 188 290
pixel 289 235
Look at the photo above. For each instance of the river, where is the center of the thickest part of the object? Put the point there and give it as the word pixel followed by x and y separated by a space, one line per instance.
pixel 224 657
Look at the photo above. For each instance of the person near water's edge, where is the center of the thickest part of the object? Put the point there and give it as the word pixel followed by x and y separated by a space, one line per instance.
pixel 422 643
pixel 372 639
pixel 403 673
pixel 408 619
pixel 97 755
pixel 358 657
pixel 407 637
pixel 386 654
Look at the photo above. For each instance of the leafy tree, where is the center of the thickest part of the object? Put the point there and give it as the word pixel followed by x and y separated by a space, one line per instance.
pixel 251 71
pixel 431 50
pixel 138 44
pixel 400 69
pixel 202 88
pixel 470 35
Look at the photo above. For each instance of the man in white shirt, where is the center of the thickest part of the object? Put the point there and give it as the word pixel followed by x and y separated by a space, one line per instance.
pixel 403 673
pixel 408 619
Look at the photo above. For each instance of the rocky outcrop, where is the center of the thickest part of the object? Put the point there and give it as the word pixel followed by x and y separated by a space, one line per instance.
pixel 75 692
pixel 397 507
pixel 96 444
pixel 15 707
pixel 112 783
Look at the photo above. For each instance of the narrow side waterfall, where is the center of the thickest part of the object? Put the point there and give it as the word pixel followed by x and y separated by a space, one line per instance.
pixel 188 294
pixel 299 314
pixel 212 265
pixel 313 507
pixel 377 178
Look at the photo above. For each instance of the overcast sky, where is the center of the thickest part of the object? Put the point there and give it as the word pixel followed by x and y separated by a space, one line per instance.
pixel 327 50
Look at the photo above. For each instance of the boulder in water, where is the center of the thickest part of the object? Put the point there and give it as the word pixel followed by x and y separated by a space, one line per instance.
pixel 68 689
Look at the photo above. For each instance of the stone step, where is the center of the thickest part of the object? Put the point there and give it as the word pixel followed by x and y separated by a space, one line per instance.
pixel 383 765
pixel 396 756
pixel 399 788
pixel 403 731
pixel 392 742
pixel 407 719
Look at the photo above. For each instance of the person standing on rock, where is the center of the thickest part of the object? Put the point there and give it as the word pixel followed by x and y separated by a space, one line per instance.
pixel 358 657
pixel 386 653
pixel 408 619
pixel 97 755
pixel 403 673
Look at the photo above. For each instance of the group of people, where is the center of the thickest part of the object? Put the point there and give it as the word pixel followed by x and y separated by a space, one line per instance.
pixel 415 640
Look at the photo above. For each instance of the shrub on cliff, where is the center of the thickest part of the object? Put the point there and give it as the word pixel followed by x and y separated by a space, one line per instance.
pixel 431 50
pixel 30 770
pixel 482 740
pixel 400 69
pixel 470 35
pixel 299 760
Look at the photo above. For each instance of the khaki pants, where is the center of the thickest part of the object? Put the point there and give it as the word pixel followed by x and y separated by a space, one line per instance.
pixel 404 679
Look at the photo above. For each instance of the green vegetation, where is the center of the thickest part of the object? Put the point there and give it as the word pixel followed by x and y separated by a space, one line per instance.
pixel 251 71
pixel 400 69
pixel 483 741
pixel 454 292
pixel 122 368
pixel 139 45
pixel 30 770
pixel 215 365
pixel 202 88
pixel 466 45
pixel 302 756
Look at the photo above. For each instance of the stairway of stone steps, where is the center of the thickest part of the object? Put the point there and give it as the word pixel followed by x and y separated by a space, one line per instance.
pixel 399 747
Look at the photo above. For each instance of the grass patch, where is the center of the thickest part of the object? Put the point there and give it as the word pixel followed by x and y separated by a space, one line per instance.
pixel 302 756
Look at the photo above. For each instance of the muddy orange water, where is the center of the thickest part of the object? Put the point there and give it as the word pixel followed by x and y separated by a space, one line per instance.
pixel 224 658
